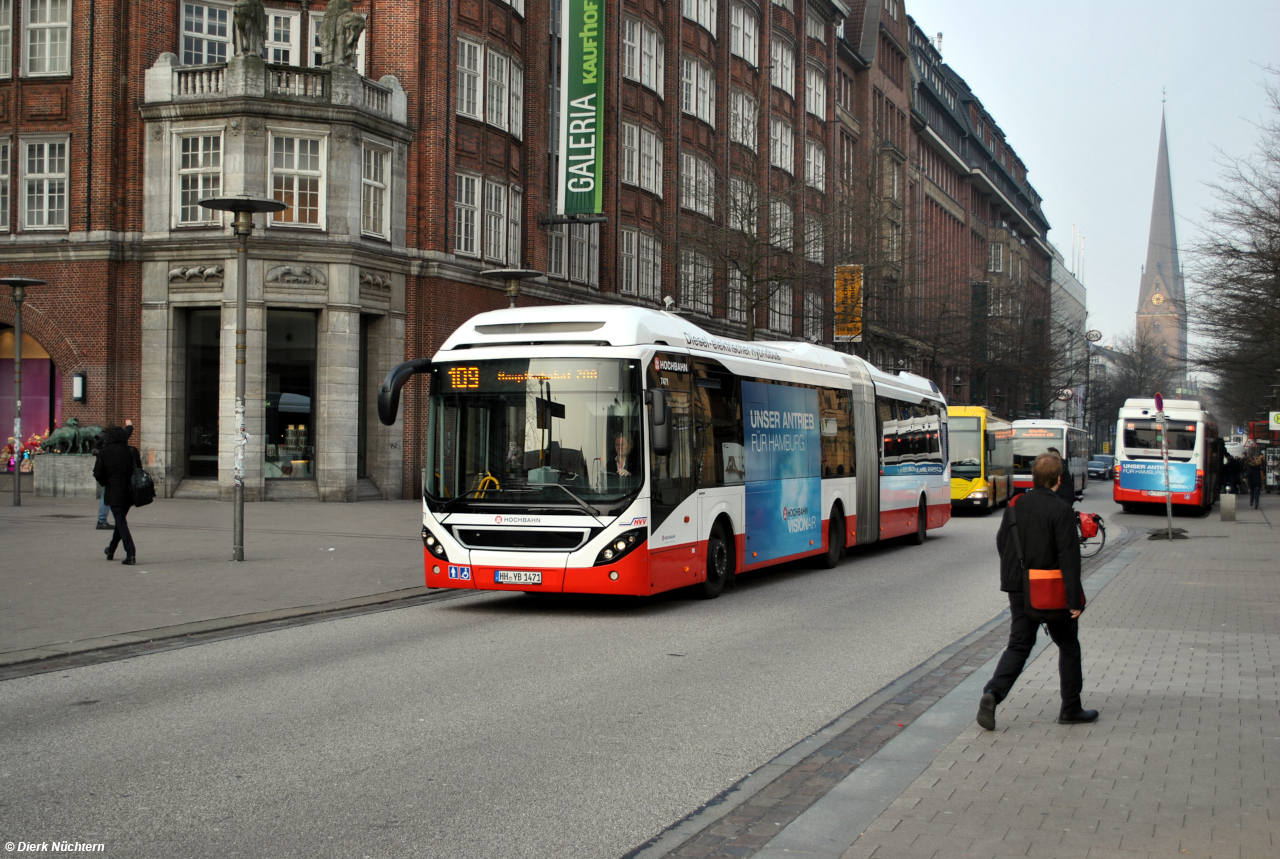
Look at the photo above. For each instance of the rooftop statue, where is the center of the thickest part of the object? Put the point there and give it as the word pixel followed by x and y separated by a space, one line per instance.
pixel 339 34
pixel 250 28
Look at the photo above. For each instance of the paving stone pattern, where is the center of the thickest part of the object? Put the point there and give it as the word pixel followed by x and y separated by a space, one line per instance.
pixel 1180 656
pixel 755 822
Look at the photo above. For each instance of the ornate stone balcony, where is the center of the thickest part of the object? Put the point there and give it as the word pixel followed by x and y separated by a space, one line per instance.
pixel 250 77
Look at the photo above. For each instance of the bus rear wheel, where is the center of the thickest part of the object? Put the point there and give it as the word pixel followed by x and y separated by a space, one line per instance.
pixel 835 540
pixel 719 565
pixel 921 524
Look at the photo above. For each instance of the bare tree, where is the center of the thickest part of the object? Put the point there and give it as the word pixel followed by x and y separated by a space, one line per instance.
pixel 1237 267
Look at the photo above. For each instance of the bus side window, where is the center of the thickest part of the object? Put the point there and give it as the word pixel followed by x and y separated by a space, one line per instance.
pixel 718 407
pixel 887 420
pixel 836 413
pixel 673 475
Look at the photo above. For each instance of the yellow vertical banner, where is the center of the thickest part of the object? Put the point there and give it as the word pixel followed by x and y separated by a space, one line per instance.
pixel 848 304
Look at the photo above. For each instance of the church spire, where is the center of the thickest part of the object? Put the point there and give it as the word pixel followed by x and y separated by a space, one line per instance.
pixel 1161 299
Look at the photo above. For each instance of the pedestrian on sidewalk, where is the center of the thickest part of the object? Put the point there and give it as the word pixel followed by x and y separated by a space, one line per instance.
pixel 102 490
pixel 114 471
pixel 1067 488
pixel 1049 538
pixel 1253 468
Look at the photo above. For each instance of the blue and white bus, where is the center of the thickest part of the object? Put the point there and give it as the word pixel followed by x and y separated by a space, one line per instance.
pixel 613 450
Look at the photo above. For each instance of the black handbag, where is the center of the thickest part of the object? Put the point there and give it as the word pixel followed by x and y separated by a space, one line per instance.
pixel 141 487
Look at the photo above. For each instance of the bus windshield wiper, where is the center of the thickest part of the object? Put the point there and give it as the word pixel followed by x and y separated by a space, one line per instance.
pixel 591 511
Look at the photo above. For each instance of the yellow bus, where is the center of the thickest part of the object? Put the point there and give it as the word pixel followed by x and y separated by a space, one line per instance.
pixel 981 458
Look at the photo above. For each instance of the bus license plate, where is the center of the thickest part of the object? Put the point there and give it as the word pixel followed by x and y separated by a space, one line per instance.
pixel 517 577
pixel 1157 493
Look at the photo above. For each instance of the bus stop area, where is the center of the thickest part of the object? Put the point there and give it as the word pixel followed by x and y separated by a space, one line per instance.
pixel 1181 642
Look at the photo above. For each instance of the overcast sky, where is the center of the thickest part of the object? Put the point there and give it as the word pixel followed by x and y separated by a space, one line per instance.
pixel 1076 88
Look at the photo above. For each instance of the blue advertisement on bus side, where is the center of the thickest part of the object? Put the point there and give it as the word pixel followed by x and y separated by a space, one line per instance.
pixel 1148 476
pixel 784 470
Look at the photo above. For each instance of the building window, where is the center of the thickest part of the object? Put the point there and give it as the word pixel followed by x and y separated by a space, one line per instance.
pixel 374 197
pixel 815 91
pixel 813 316
pixel 282 38
pixel 696 281
pixel 466 211
pixel 6 38
pixel 630 146
pixel 697 184
pixel 4 184
pixel 785 4
pixel 317 56
pixel 48 24
pixel 781 143
pixel 891 6
pixel 814 26
pixel 584 253
pixel 199 177
pixel 735 299
pixel 496 90
pixel 815 240
pixel 556 250
pixel 703 12
pixel 781 229
pixel 995 260
pixel 743 119
pixel 699 91
pixel 470 96
pixel 642 54
pixel 744 34
pixel 815 164
pixel 640 258
pixel 848 158
pixel 517 101
pixel 893 241
pixel 650 162
pixel 782 66
pixel 780 307
pixel 514 236
pixel 495 221
pixel 742 206
pixel 205 38
pixel 45 175
pixel 297 176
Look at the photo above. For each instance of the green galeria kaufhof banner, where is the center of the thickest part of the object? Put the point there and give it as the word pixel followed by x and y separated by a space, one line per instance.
pixel 581 107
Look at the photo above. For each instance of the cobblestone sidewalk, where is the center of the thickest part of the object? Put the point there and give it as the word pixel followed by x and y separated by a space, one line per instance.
pixel 1180 657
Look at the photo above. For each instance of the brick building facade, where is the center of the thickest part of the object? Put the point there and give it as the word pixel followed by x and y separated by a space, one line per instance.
pixel 433 160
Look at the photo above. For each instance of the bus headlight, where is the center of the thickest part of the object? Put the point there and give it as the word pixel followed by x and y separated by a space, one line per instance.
pixel 433 544
pixel 978 495
pixel 621 546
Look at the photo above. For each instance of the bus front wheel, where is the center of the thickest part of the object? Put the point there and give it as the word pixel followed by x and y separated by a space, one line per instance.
pixel 719 564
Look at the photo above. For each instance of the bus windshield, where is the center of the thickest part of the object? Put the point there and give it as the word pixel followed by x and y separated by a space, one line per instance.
pixel 966 447
pixel 1030 442
pixel 558 435
pixel 1143 434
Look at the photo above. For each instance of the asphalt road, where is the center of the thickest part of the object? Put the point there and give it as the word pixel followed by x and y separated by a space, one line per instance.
pixel 488 726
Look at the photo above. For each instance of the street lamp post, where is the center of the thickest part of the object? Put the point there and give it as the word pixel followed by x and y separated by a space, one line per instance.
pixel 19 285
pixel 512 277
pixel 244 209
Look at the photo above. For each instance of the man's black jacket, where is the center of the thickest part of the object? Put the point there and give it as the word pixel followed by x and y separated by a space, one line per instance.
pixel 115 465
pixel 1066 489
pixel 1050 541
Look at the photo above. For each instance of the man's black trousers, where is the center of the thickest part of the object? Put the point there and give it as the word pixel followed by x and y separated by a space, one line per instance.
pixel 1022 637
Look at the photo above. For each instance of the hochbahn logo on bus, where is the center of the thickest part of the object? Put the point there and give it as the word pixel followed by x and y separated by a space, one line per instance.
pixel 798 519
pixel 670 366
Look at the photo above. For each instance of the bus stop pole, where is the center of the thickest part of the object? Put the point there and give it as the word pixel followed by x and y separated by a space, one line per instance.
pixel 1164 452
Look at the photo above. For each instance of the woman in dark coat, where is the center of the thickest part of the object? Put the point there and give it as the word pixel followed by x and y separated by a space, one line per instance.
pixel 114 470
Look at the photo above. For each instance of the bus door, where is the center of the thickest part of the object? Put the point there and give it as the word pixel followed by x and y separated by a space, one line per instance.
pixel 720 455
pixel 676 543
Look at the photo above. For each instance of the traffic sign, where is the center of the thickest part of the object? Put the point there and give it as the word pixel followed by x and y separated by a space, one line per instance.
pixel 1159 402
pixel 1273 421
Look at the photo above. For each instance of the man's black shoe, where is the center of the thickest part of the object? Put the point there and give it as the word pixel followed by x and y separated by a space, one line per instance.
pixel 987 712
pixel 103 526
pixel 1079 717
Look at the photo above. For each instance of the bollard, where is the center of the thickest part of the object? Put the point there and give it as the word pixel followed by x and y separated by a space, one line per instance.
pixel 1228 503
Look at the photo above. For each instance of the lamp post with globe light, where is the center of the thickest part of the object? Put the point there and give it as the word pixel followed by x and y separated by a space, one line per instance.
pixel 244 208
pixel 19 285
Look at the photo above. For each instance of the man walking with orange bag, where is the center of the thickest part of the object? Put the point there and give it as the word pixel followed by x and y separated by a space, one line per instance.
pixel 1039 532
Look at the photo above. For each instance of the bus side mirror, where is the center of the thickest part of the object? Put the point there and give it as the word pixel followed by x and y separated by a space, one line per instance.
pixel 659 421
pixel 389 394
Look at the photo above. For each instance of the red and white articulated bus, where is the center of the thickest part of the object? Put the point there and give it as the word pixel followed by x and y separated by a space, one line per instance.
pixel 1033 437
pixel 613 450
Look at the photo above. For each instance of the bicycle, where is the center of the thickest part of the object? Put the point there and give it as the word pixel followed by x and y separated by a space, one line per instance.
pixel 1093 534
